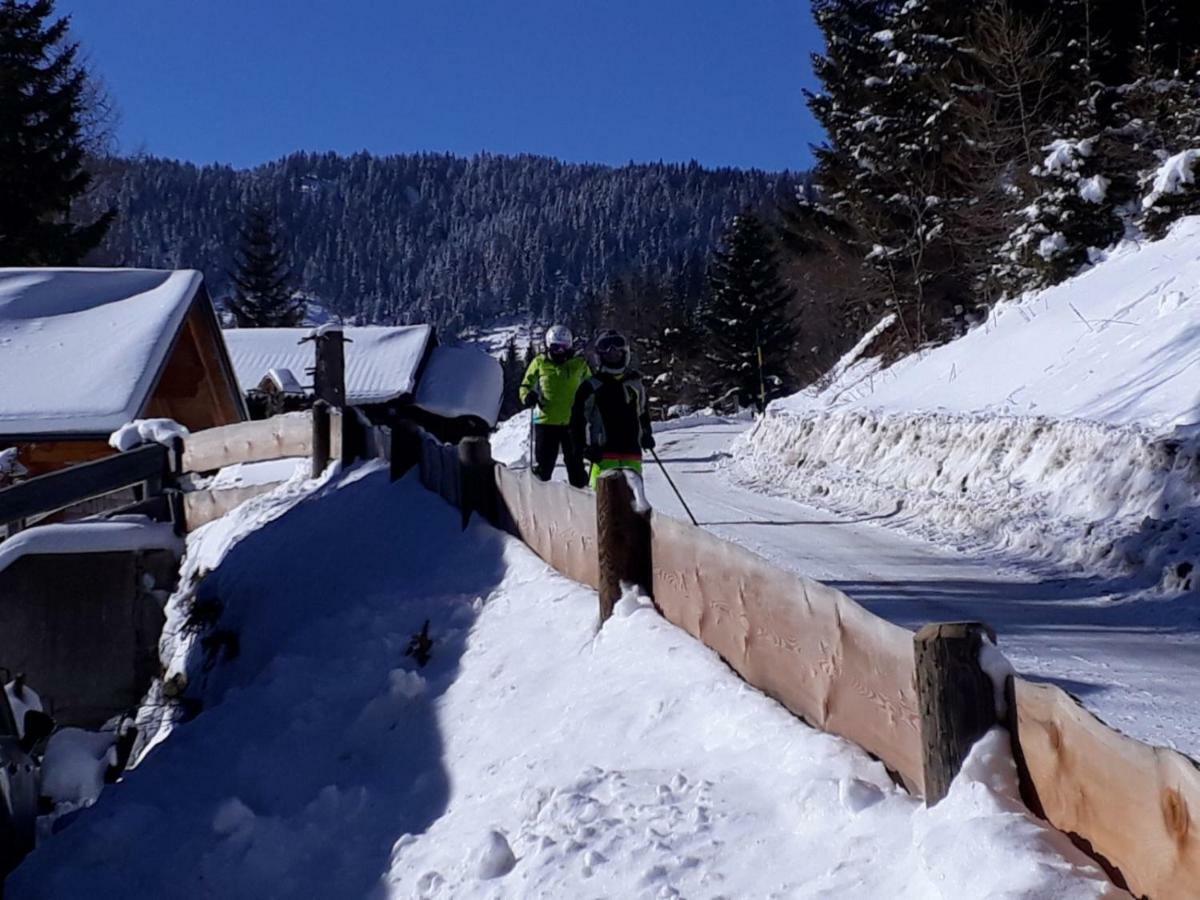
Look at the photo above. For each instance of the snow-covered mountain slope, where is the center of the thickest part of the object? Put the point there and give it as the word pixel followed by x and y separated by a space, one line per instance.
pixel 1066 427
pixel 530 758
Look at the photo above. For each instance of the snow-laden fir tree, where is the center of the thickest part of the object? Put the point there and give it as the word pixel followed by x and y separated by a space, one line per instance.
pixel 43 107
pixel 263 293
pixel 746 318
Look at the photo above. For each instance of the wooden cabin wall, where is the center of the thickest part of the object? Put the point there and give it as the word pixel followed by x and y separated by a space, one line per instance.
pixel 195 389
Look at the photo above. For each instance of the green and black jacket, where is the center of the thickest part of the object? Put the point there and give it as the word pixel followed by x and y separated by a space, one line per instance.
pixel 610 416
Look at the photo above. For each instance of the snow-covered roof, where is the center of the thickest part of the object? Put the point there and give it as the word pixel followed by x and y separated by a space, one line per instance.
pixel 461 381
pixel 381 362
pixel 284 380
pixel 81 349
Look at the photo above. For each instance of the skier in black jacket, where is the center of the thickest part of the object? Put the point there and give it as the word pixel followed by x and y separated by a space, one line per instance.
pixel 610 418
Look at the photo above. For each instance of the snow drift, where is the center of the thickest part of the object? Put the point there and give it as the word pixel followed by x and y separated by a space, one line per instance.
pixel 1066 427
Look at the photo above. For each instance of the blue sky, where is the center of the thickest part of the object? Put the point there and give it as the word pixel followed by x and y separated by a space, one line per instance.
pixel 245 81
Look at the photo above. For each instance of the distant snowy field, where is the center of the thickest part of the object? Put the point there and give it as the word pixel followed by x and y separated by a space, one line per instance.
pixel 530 758
pixel 1066 428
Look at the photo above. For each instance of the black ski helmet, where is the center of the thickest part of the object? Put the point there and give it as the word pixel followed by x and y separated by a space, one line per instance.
pixel 612 352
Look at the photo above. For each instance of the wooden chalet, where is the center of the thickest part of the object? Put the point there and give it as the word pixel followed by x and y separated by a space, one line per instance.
pixel 85 351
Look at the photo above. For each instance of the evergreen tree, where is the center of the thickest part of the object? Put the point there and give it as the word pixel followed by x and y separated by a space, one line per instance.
pixel 513 367
pixel 746 317
pixel 43 94
pixel 263 296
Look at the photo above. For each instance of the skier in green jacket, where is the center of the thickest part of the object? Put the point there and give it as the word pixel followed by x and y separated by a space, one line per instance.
pixel 549 388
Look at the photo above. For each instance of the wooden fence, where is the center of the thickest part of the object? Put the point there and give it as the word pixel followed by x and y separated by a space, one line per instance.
pixel 1132 806
pixel 157 472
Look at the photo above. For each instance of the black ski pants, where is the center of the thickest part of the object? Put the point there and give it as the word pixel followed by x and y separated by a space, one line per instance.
pixel 547 440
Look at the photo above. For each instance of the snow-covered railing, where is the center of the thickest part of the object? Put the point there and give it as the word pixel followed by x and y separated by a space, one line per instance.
pixel 1134 807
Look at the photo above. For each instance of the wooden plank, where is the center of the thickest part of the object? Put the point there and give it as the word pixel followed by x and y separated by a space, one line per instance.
pixel 42 456
pixel 1134 806
pixel 555 520
pixel 831 662
pixel 58 490
pixel 201 507
pixel 280 437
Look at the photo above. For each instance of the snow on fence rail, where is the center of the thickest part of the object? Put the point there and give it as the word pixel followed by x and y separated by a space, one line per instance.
pixel 1134 807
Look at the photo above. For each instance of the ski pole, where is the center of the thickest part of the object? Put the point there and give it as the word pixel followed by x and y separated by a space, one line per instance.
pixel 675 489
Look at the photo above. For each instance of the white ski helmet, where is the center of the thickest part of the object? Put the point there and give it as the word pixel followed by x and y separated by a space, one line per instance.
pixel 559 337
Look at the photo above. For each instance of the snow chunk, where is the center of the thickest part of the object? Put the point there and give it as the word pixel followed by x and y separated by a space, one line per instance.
pixel 10 466
pixel 1052 245
pixel 233 817
pixel 1094 189
pixel 997 667
pixel 75 764
pixel 494 858
pixel 1066 155
pixel 146 431
pixel 405 684
pixel 1172 177
pixel 324 329
pixel 22 699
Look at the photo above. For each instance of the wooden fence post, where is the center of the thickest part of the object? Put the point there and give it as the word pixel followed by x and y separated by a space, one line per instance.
pixel 406 448
pixel 623 542
pixel 956 697
pixel 329 372
pixel 320 437
pixel 175 493
pixel 477 479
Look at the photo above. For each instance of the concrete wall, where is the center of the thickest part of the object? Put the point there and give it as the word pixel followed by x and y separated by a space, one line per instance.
pixel 84 628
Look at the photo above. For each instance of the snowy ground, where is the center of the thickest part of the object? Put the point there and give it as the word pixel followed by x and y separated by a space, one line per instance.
pixel 530 758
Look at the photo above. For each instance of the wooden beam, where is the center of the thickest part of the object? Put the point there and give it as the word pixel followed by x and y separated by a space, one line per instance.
pixel 201 507
pixel 58 490
pixel 280 437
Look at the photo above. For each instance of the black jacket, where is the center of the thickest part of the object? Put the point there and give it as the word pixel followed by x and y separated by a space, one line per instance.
pixel 610 418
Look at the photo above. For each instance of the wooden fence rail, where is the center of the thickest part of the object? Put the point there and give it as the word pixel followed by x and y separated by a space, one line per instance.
pixel 1134 807
pixel 55 491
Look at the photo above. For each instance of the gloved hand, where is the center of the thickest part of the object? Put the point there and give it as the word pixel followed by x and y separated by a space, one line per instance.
pixel 648 441
pixel 532 399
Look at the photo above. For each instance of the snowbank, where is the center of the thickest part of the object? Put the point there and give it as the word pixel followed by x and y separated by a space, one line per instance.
pixel 530 757
pixel 75 764
pixel 1065 427
pixel 510 441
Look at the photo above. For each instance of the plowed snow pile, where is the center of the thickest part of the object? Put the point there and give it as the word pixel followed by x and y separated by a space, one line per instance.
pixel 531 757
pixel 1066 427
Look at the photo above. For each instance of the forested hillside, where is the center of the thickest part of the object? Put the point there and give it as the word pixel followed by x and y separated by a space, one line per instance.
pixel 976 151
pixel 433 237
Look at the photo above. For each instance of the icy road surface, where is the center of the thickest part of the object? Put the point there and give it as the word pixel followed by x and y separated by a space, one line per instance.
pixel 1135 663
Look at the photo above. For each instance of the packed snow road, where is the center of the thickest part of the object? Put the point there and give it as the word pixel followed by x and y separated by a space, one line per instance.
pixel 1131 663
